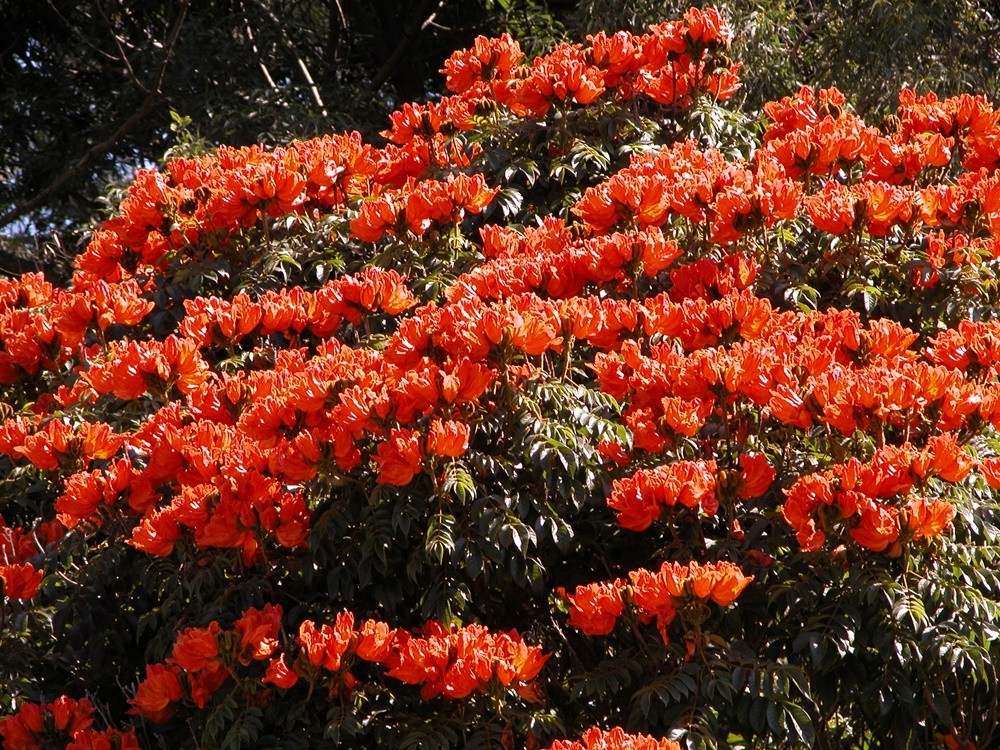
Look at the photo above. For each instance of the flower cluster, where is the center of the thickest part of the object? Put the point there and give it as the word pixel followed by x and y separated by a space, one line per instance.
pixel 673 589
pixel 459 661
pixel 65 723
pixel 19 578
pixel 883 503
pixel 452 662
pixel 204 659
pixel 640 499
pixel 596 738
pixel 42 327
pixel 671 64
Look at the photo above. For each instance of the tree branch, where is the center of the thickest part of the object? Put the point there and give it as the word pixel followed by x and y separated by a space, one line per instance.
pixel 424 17
pixel 290 46
pixel 153 97
pixel 260 60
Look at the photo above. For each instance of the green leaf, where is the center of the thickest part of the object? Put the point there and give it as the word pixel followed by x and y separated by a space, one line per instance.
pixel 440 539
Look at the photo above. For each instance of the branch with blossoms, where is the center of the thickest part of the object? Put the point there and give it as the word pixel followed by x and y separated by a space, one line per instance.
pixel 451 662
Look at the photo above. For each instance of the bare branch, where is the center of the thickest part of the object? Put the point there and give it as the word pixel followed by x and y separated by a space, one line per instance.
pixel 80 37
pixel 123 55
pixel 260 61
pixel 298 58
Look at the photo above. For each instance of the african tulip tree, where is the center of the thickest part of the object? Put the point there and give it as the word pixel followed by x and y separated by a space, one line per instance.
pixel 583 413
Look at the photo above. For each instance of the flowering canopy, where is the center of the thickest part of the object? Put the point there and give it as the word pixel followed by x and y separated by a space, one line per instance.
pixel 572 411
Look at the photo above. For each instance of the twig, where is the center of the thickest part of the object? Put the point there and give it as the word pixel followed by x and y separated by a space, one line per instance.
pixel 420 21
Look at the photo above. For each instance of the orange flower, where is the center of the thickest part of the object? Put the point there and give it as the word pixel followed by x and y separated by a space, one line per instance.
pixel 613 452
pixel 708 27
pixel 109 739
pixel 952 742
pixel 789 407
pixel 83 493
pixel 878 527
pixel 802 498
pixel 212 320
pixel 927 518
pixel 293 520
pixel 459 662
pixel 22 730
pixel 517 662
pixel 400 457
pixel 55 442
pixel 374 218
pixel 652 599
pixel 232 524
pixel 20 581
pixel 832 209
pixel 326 646
pixel 943 457
pixel 990 469
pixel 258 630
pixel 448 438
pixel 157 692
pixel 420 122
pixel 686 416
pixel 640 498
pixel 756 476
pixel 31 728
pixel 196 648
pixel 486 61
pixel 534 324
pixel 378 642
pixel 561 75
pixel 156 534
pixel 614 739
pixel 279 674
pixel 206 683
pixel 722 582
pixel 596 607
pixel 422 660
pixel 728 582
pixel 617 55
pixel 656 253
